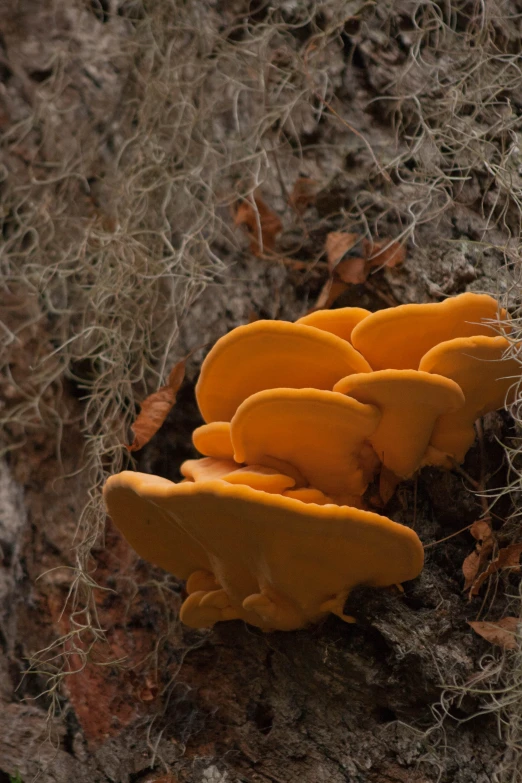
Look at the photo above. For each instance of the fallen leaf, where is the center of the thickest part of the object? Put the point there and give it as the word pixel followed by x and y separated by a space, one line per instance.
pixel 508 557
pixel 470 568
pixel 481 530
pixel 337 244
pixel 155 408
pixel 473 563
pixel 330 291
pixel 352 270
pixel 503 632
pixel 350 259
pixel 261 224
pixel 383 253
pixel 303 194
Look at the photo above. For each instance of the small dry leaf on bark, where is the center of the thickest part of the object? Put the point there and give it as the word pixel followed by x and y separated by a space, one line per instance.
pixel 350 259
pixel 303 194
pixel 156 407
pixel 508 557
pixel 351 269
pixel 503 632
pixel 330 291
pixel 473 563
pixel 384 253
pixel 262 225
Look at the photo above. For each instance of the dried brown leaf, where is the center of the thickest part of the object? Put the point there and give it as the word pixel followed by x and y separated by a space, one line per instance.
pixel 481 530
pixel 470 568
pixel 261 224
pixel 155 408
pixel 330 291
pixel 303 194
pixel 337 244
pixel 508 557
pixel 385 252
pixel 476 561
pixel 503 632
pixel 352 270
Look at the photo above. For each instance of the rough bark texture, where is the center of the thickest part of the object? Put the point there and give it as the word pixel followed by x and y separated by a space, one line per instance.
pixel 334 703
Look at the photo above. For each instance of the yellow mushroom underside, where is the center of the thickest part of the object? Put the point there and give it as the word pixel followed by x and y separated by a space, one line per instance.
pixel 486 378
pixel 279 563
pixel 398 337
pixel 267 355
pixel 320 432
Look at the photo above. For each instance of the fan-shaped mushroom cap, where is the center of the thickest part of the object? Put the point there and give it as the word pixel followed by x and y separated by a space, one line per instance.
pixel 320 432
pixel 147 529
pixel 340 322
pixel 410 403
pixel 397 338
pixel 213 440
pixel 280 563
pixel 486 378
pixel 267 355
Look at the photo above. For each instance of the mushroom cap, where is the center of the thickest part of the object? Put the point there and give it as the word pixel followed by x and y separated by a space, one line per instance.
pixel 340 322
pixel 410 402
pixel 260 477
pixel 207 468
pixel 487 379
pixel 255 476
pixel 398 338
pixel 148 529
pixel 261 548
pixel 267 355
pixel 308 495
pixel 320 432
pixel 213 440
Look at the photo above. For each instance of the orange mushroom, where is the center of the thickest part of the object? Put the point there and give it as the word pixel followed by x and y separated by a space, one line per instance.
pixel 207 468
pixel 308 495
pixel 271 560
pixel 267 355
pixel 320 432
pixel 340 322
pixel 213 440
pixel 261 477
pixel 486 377
pixel 410 403
pixel 255 476
pixel 398 338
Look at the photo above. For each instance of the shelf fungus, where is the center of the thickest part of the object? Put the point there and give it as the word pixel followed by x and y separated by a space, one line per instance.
pixel 269 355
pixel 341 322
pixel 271 525
pixel 273 561
pixel 487 378
pixel 320 432
pixel 398 337
pixel 410 402
pixel 213 440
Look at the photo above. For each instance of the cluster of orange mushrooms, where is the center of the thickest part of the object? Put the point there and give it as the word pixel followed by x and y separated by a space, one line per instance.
pixel 270 525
